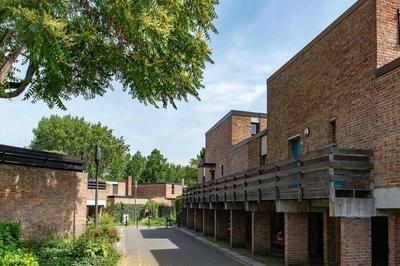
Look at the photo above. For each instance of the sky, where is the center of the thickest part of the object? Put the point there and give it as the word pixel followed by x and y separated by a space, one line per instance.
pixel 255 38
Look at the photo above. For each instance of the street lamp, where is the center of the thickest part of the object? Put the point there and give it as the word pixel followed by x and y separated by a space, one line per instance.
pixel 136 218
pixel 97 157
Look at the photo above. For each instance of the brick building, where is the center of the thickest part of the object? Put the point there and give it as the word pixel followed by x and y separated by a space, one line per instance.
pixel 330 179
pixel 46 192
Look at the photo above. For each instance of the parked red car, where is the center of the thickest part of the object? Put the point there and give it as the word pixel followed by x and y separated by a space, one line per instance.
pixel 278 240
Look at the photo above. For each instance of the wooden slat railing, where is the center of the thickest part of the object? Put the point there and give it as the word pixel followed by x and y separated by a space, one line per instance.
pixel 314 175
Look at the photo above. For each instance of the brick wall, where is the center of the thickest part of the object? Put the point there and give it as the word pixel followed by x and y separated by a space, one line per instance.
pixel 208 222
pixel 394 238
pixel 160 190
pixel 355 242
pixel 296 239
pixel 387 31
pixel 331 238
pixel 198 220
pixel 238 228
pixel 220 141
pixel 221 224
pixel 46 202
pixel 261 233
pixel 334 78
pixel 190 218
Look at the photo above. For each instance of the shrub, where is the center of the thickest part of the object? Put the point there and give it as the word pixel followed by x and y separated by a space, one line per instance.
pixel 121 208
pixel 106 229
pixel 11 252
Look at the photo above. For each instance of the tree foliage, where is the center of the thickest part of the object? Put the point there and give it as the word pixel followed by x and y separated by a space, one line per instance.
pixel 157 49
pixel 76 137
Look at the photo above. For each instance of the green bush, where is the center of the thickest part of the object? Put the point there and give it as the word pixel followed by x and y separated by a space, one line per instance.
pixel 106 229
pixel 121 208
pixel 11 253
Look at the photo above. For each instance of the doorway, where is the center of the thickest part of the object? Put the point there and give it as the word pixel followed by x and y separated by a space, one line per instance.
pixel 380 243
pixel 316 238
pixel 295 147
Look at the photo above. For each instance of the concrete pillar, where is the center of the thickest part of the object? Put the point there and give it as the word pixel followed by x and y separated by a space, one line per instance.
pixel 190 218
pixel 238 228
pixel 221 224
pixel 208 222
pixel 355 241
pixel 331 239
pixel 260 232
pixel 394 238
pixel 296 239
pixel 198 220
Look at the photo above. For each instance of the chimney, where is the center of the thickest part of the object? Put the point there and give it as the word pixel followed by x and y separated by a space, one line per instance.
pixel 128 186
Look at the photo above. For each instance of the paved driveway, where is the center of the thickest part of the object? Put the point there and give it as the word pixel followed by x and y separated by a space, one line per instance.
pixel 168 246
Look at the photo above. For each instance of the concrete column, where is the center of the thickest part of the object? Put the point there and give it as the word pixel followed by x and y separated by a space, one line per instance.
pixel 331 239
pixel 296 239
pixel 208 222
pixel 190 218
pixel 238 228
pixel 198 220
pixel 221 224
pixel 260 232
pixel 355 241
pixel 394 238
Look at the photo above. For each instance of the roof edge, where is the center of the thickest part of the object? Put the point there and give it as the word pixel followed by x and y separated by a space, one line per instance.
pixel 319 37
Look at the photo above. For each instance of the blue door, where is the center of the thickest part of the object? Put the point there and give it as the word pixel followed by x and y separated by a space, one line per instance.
pixel 296 147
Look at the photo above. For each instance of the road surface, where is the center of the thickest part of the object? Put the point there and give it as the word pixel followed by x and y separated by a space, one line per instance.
pixel 168 246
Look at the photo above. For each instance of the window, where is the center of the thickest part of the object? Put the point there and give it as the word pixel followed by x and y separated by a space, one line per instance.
pixel 172 189
pixel 115 189
pixel 222 170
pixel 333 130
pixel 255 128
pixel 212 173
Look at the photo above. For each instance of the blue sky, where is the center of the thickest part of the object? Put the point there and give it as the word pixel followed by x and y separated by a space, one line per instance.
pixel 255 38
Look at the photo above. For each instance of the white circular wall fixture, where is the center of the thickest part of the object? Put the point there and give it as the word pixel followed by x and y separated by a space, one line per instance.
pixel 306 132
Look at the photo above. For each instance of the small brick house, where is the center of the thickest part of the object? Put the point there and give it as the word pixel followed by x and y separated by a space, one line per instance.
pixel 329 182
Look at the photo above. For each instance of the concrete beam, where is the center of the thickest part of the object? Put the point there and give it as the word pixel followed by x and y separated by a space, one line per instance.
pixel 234 206
pixel 204 205
pixel 387 198
pixel 194 205
pixel 217 206
pixel 352 207
pixel 292 206
pixel 260 206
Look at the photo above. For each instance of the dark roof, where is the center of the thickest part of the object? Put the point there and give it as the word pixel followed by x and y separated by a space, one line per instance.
pixel 41 159
pixel 208 164
pixel 237 113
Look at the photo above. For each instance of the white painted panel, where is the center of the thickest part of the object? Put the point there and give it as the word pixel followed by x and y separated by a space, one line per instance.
pixel 264 145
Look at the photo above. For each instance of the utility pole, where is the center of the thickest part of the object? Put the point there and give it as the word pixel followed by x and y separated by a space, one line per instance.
pixel 97 157
pixel 136 219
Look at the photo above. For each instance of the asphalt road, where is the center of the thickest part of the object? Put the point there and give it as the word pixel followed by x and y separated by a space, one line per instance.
pixel 168 246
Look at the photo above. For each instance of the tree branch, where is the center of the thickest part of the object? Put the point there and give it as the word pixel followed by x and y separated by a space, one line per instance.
pixel 7 65
pixel 18 87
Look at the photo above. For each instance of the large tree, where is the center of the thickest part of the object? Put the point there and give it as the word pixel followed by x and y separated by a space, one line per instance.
pixel 136 166
pixel 76 137
pixel 53 50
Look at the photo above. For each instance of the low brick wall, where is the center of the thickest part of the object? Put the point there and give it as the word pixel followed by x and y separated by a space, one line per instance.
pixel 46 202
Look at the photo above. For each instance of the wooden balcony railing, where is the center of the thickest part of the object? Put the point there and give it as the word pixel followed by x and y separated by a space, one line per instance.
pixel 326 173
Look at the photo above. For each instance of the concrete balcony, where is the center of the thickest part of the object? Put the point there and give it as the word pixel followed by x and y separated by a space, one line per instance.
pixel 328 173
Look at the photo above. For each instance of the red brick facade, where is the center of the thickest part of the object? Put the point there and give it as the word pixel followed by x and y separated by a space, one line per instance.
pixel 208 222
pixel 394 239
pixel 355 241
pixel 221 224
pixel 47 202
pixel 238 228
pixel 261 233
pixel 225 147
pixel 159 190
pixel 296 239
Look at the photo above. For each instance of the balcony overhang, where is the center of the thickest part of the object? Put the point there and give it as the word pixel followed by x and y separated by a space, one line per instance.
pixel 328 173
pixel 208 165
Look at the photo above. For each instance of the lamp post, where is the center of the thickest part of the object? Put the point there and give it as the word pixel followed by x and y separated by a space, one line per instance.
pixel 97 157
pixel 136 219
